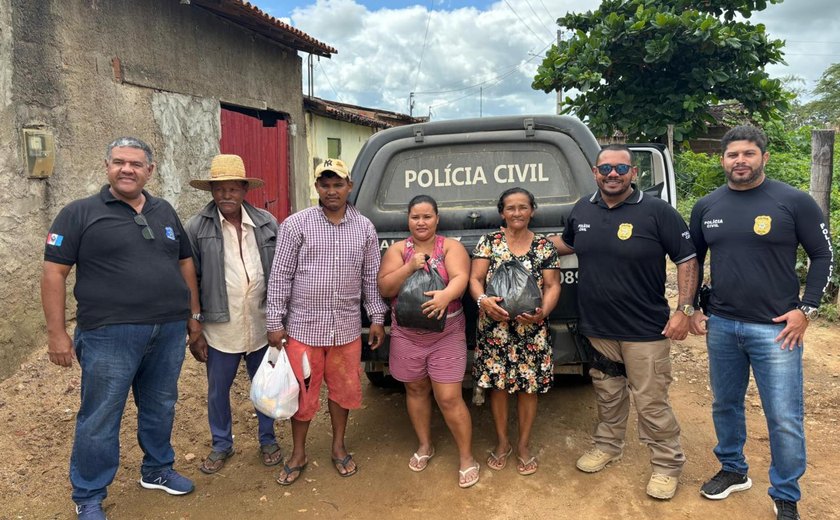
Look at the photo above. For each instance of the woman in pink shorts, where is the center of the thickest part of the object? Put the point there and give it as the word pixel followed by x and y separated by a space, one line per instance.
pixel 426 361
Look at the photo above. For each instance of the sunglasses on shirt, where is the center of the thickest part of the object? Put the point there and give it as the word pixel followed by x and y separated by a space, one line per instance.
pixel 621 169
pixel 140 220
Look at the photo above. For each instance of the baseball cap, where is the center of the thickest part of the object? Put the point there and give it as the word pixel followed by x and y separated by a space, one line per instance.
pixel 336 166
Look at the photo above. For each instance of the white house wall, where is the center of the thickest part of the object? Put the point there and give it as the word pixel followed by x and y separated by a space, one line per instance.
pixel 319 128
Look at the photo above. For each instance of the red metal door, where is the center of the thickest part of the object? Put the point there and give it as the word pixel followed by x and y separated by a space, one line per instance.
pixel 262 140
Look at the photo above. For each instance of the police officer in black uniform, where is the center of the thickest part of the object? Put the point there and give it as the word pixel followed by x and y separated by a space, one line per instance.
pixel 753 226
pixel 621 237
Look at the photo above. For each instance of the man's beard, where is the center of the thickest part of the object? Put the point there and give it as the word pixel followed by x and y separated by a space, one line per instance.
pixel 743 181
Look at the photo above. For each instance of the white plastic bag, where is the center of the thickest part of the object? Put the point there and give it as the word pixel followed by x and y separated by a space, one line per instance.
pixel 304 363
pixel 274 390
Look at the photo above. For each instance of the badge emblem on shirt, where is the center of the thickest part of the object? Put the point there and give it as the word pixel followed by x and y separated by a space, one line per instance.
pixel 625 231
pixel 762 224
pixel 170 234
pixel 54 239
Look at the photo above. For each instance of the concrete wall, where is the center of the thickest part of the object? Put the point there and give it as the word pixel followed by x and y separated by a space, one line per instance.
pixel 319 128
pixel 177 64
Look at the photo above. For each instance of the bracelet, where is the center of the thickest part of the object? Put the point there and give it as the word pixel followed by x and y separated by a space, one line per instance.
pixel 478 301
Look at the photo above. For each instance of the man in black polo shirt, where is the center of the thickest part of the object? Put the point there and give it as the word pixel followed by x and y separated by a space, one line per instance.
pixel 753 226
pixel 621 237
pixel 135 288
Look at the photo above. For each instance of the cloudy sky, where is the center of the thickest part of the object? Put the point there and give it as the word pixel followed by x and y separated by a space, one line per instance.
pixel 465 58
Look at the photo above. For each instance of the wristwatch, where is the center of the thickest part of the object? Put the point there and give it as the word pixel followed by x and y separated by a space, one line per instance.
pixel 197 317
pixel 809 312
pixel 687 309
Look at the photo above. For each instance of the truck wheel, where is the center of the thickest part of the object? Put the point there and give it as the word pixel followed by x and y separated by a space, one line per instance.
pixel 380 380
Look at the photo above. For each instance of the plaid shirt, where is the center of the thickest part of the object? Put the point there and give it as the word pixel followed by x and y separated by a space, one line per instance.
pixel 320 274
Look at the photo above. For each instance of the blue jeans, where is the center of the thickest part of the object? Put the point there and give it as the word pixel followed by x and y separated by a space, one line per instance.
pixel 115 358
pixel 221 370
pixel 734 346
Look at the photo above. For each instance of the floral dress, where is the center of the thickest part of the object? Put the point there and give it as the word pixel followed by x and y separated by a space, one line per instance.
pixel 510 355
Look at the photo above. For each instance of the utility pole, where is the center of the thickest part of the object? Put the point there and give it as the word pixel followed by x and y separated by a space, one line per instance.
pixel 411 104
pixel 822 164
pixel 822 169
pixel 559 90
pixel 309 71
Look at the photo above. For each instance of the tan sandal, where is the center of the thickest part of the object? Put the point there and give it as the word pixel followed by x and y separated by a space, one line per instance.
pixel 527 467
pixel 462 474
pixel 498 462
pixel 421 462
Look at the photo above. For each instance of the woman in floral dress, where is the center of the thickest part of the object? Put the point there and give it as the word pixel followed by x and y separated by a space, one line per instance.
pixel 513 353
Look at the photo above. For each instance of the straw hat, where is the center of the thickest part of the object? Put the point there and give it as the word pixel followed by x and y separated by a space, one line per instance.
pixel 226 168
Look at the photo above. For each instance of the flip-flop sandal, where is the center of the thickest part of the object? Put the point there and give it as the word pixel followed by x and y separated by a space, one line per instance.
pixel 215 461
pixel 523 469
pixel 288 480
pixel 343 463
pixel 271 454
pixel 462 473
pixel 498 462
pixel 421 462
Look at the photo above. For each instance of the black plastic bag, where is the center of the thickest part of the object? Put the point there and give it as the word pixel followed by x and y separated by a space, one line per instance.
pixel 410 299
pixel 517 287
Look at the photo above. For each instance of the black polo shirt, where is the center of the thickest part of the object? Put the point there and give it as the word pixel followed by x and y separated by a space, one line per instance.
pixel 122 277
pixel 753 236
pixel 621 261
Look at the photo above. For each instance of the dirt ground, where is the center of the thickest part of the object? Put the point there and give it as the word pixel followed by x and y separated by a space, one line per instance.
pixel 38 405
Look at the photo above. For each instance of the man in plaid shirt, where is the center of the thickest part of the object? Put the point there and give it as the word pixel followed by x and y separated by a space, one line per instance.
pixel 325 265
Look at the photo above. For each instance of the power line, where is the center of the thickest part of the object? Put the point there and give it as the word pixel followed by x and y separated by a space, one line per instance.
pixel 423 49
pixel 811 41
pixel 523 22
pixel 506 70
pixel 495 81
pixel 538 17
pixel 327 75
pixel 801 54
pixel 551 16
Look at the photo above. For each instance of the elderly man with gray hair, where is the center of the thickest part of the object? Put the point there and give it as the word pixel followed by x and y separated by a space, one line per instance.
pixel 135 289
pixel 233 247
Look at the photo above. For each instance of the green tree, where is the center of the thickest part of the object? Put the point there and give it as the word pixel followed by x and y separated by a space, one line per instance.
pixel 825 109
pixel 640 65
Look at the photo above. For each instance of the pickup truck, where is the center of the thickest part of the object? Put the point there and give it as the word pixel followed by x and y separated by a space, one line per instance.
pixel 465 165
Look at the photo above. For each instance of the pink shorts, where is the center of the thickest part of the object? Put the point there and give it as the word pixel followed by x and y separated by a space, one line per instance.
pixel 441 356
pixel 339 366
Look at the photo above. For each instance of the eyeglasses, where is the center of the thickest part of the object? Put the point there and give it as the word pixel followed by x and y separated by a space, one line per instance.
pixel 140 220
pixel 621 169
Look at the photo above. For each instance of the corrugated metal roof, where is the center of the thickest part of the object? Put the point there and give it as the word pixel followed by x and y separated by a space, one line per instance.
pixel 251 17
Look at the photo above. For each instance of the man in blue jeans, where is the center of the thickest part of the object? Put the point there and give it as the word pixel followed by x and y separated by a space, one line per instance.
pixel 135 290
pixel 752 226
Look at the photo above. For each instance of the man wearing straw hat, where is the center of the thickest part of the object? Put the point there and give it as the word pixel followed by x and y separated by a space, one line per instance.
pixel 233 248
pixel 325 267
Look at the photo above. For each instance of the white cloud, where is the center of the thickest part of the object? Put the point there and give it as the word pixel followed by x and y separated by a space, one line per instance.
pixel 492 50
pixel 379 53
pixel 811 30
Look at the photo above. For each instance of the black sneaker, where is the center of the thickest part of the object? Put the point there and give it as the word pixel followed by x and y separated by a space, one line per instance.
pixel 724 483
pixel 785 509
